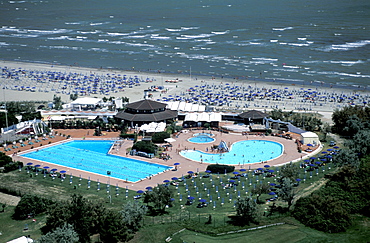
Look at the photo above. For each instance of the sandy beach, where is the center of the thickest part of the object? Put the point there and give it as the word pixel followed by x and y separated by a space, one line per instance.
pixel 321 99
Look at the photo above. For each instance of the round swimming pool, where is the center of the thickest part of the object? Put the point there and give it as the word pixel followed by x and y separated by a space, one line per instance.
pixel 242 152
pixel 201 139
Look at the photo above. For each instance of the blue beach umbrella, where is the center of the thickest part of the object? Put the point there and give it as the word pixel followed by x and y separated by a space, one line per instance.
pixel 191 198
pixel 266 166
pixel 242 170
pixel 30 163
pixel 53 170
pixel 203 200
pixel 272 184
pixel 174 178
pixel 176 164
pixel 272 193
pixel 166 181
pixel 298 179
pixel 63 172
pixel 148 188
pixel 140 192
pixel 208 171
pixel 236 173
pixel 190 172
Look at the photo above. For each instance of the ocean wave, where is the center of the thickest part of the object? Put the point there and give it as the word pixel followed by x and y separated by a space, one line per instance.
pixel 98 23
pixel 352 75
pixel 298 44
pixel 156 36
pixel 264 59
pixel 347 63
pixel 346 47
pixel 189 37
pixel 282 29
pixel 220 32
pixel 117 34
pixel 182 29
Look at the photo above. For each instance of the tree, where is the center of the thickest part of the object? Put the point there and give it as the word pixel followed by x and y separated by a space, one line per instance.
pixel 341 116
pixel 290 171
pixel 287 192
pixel 145 146
pixel 64 234
pixel 360 143
pixel 160 196
pixel 347 157
pixel 246 209
pixel 159 137
pixel 112 228
pixel 57 100
pixel 260 189
pixel 322 212
pixel 132 215
pixel 353 125
pixel 30 205
pixel 84 215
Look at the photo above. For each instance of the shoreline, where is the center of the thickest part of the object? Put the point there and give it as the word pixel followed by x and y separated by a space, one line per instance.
pixel 136 93
pixel 272 81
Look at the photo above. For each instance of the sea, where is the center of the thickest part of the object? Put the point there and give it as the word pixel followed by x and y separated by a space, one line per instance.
pixel 301 41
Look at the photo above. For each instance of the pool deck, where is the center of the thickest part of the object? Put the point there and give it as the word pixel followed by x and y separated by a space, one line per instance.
pixel 290 154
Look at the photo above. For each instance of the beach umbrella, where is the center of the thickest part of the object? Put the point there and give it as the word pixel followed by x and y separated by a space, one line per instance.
pixel 190 172
pixel 324 152
pixel 46 167
pixel 266 166
pixel 37 166
pixel 259 169
pixel 313 158
pixel 236 173
pixel 140 192
pixel 166 181
pixel 174 178
pixel 311 165
pixel 208 171
pixel 191 198
pixel 330 150
pixel 242 170
pixel 176 164
pixel 148 188
pixel 298 179
pixel 63 172
pixel 272 193
pixel 336 147
pixel 318 163
pixel 272 184
pixel 29 163
pixel 203 200
pixel 310 145
pixel 53 170
pixel 231 181
pixel 271 171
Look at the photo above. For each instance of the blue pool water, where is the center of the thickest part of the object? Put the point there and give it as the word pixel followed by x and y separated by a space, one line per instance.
pixel 243 152
pixel 201 139
pixel 92 156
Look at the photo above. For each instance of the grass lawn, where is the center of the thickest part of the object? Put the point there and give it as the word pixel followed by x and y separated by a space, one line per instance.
pixel 220 205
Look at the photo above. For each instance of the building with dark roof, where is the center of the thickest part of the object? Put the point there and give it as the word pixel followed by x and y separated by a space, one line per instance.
pixel 146 111
pixel 253 117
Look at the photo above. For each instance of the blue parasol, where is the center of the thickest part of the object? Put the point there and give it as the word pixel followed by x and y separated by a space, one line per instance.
pixel 140 191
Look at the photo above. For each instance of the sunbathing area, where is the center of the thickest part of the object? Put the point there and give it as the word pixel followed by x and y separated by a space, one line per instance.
pixel 171 156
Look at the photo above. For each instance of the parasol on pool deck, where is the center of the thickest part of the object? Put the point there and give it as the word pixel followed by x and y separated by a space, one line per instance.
pixel 29 163
pixel 140 192
pixel 149 188
pixel 174 178
pixel 176 164
pixel 63 172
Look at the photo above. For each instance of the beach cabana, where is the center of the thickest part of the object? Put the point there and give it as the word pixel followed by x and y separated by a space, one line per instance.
pixel 310 138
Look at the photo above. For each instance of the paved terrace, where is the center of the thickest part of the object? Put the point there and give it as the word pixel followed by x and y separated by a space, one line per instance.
pixel 290 154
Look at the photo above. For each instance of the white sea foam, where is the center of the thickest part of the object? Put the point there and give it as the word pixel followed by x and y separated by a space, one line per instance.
pixel 347 63
pixel 302 38
pixel 116 34
pixel 273 41
pixel 282 29
pixel 220 32
pixel 298 44
pixel 347 46
pixel 182 29
pixel 196 36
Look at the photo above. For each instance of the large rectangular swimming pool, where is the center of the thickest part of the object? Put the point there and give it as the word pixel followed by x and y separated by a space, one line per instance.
pixel 92 156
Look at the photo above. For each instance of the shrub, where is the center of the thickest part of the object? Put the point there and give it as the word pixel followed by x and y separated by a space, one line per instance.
pixel 145 146
pixel 125 135
pixel 31 205
pixel 159 137
pixel 220 168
